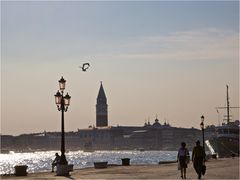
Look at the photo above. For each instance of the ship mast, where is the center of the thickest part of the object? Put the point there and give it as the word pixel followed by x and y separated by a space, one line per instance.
pixel 228 107
pixel 228 116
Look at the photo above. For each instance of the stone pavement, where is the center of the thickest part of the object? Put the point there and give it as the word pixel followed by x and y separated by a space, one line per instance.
pixel 226 168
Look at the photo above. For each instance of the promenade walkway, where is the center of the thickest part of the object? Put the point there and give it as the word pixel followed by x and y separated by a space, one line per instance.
pixel 216 169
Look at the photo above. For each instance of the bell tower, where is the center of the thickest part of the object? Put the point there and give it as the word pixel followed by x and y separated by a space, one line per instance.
pixel 101 108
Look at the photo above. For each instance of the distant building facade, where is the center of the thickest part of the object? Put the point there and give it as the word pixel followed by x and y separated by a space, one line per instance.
pixel 154 136
pixel 150 137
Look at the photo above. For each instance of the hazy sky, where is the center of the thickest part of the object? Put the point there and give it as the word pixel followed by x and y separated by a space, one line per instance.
pixel 173 59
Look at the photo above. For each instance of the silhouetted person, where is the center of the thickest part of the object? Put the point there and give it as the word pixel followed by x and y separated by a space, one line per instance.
pixel 182 157
pixel 55 161
pixel 198 158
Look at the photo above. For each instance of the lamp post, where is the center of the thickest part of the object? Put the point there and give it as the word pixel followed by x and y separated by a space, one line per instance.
pixel 202 127
pixel 62 103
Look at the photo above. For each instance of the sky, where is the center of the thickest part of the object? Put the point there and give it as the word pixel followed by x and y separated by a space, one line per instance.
pixel 170 59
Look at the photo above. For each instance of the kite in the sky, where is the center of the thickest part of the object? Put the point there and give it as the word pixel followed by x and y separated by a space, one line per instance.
pixel 85 66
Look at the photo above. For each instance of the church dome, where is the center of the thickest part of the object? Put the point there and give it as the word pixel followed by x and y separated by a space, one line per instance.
pixel 156 123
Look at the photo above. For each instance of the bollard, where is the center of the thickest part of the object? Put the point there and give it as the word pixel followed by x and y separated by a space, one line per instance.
pixel 70 167
pixel 100 165
pixel 125 162
pixel 21 170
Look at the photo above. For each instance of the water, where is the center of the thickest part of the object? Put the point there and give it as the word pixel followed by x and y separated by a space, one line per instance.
pixel 41 161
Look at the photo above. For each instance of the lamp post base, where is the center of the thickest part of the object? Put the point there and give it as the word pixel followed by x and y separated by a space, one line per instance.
pixel 62 170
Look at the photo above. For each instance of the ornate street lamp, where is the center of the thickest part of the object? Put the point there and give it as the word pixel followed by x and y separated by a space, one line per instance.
pixel 62 103
pixel 202 127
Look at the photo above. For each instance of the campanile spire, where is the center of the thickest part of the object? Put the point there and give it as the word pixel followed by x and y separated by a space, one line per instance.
pixel 101 108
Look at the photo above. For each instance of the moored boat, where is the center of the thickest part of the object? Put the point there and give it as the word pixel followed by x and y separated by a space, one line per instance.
pixel 225 141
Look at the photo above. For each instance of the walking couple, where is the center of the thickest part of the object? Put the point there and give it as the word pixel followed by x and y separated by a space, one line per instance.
pixel 198 158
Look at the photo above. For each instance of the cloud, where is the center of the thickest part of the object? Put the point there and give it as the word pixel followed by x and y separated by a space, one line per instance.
pixel 203 44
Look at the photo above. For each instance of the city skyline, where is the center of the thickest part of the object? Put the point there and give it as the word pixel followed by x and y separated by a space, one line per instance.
pixel 173 59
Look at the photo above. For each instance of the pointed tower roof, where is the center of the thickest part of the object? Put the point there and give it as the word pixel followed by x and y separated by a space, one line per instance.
pixel 101 95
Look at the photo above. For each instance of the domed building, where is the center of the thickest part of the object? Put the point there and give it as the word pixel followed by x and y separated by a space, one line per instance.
pixel 156 124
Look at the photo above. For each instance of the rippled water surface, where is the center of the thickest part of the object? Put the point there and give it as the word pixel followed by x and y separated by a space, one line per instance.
pixel 41 161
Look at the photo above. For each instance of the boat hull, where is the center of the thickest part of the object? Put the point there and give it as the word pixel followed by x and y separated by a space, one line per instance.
pixel 225 146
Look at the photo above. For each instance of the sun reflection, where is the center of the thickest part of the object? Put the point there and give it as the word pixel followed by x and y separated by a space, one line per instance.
pixel 41 161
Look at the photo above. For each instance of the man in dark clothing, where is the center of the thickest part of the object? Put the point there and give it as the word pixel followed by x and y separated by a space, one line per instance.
pixel 198 157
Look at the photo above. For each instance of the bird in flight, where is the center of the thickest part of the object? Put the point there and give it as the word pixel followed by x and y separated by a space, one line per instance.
pixel 85 66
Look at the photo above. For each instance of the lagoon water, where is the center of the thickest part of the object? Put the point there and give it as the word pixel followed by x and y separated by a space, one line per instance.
pixel 41 161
